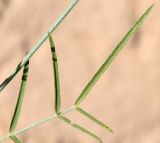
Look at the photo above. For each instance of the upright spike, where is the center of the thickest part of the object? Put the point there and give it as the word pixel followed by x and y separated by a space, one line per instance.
pixel 56 75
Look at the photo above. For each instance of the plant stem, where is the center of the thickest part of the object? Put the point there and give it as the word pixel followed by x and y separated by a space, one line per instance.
pixel 33 125
pixel 4 138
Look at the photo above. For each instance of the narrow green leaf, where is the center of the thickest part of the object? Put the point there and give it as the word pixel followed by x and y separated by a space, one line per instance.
pixel 112 56
pixel 20 98
pixel 38 44
pixel 15 139
pixel 66 120
pixel 80 110
pixel 56 75
pixel 87 132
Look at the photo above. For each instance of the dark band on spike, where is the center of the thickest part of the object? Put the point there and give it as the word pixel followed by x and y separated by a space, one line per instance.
pixel 53 49
pixel 25 71
pixel 54 59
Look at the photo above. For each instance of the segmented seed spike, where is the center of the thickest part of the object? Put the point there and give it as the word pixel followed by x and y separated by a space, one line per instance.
pixel 112 56
pixel 20 98
pixel 56 75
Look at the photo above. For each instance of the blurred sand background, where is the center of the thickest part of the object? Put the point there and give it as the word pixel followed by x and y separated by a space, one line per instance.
pixel 127 97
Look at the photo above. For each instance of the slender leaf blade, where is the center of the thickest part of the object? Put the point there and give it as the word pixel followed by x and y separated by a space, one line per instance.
pixel 56 75
pixel 112 56
pixel 15 139
pixel 87 132
pixel 66 120
pixel 20 98
pixel 91 117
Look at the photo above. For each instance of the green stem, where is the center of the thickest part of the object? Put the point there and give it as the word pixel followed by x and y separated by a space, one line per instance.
pixel 33 125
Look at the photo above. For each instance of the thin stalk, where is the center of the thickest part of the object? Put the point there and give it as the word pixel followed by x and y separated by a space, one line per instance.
pixel 38 44
pixel 4 138
pixel 33 125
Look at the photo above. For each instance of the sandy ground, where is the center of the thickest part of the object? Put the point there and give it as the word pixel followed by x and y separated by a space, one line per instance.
pixel 127 96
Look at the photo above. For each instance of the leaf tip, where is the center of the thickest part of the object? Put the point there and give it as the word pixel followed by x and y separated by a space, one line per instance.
pixel 109 129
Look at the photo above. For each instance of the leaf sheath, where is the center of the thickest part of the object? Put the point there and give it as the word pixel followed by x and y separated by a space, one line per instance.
pixel 112 56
